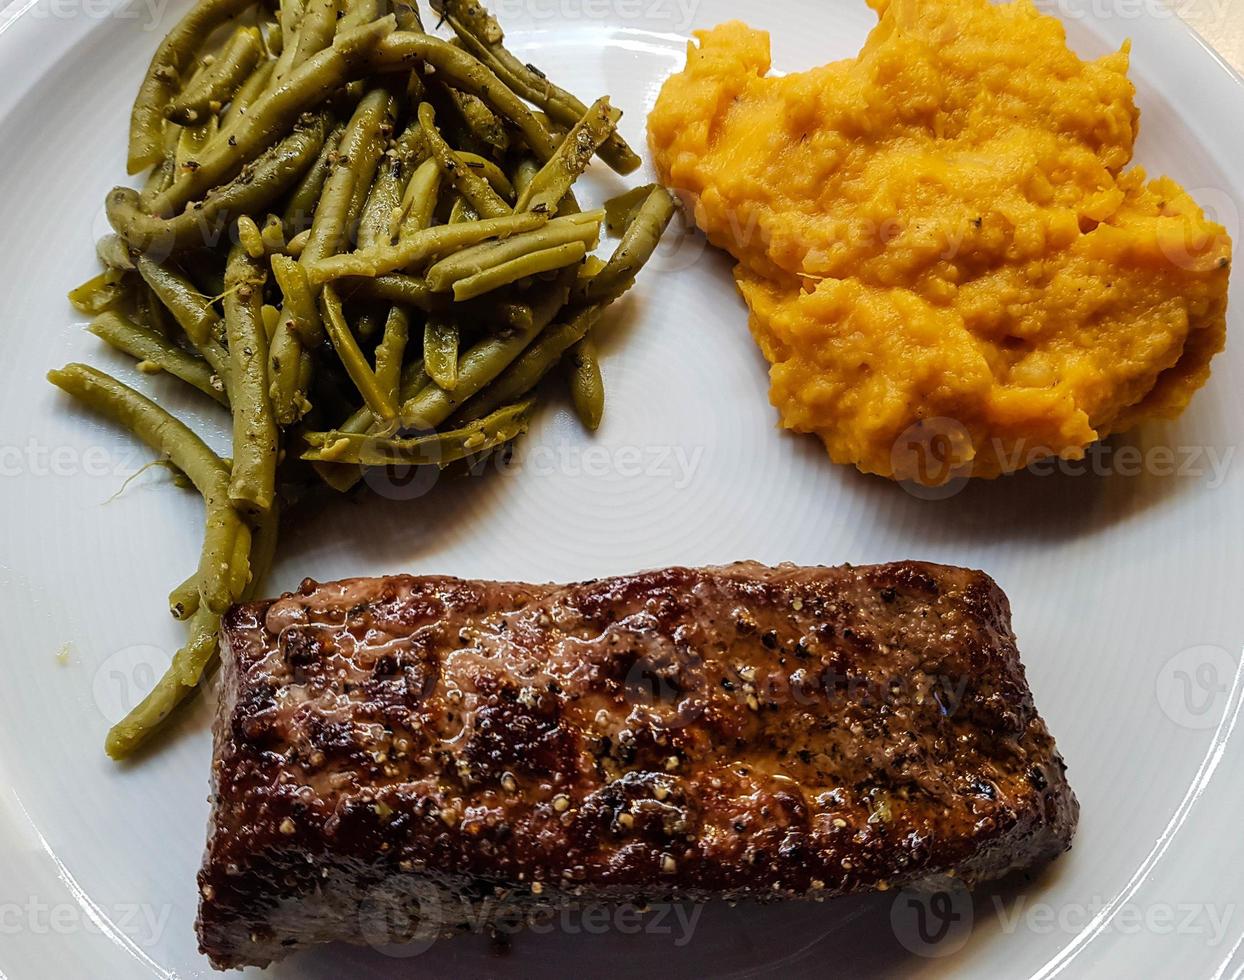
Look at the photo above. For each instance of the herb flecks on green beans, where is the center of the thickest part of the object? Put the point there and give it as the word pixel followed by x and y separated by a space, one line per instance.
pixel 363 243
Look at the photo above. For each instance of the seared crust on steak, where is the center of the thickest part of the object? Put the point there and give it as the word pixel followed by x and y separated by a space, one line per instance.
pixel 400 752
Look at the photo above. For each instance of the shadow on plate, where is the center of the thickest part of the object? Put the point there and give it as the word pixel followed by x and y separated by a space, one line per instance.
pixel 1054 500
pixel 406 520
pixel 903 933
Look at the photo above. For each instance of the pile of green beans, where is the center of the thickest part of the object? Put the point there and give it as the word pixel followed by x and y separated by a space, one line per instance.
pixel 362 241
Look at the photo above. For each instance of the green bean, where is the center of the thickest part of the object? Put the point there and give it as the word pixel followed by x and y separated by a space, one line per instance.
pixel 214 562
pixel 302 202
pixel 315 31
pixel 639 241
pixel 172 438
pixel 490 172
pixel 379 224
pixel 174 54
pixel 150 313
pixel 553 182
pixel 439 449
pixel 296 244
pixel 288 15
pixel 479 120
pixel 291 12
pixel 163 290
pixel 218 84
pixel 413 380
pixel 524 174
pixel 408 18
pixel 383 212
pixel 264 539
pixel 587 386
pixel 440 352
pixel 483 37
pixel 364 378
pixel 270 316
pixel 253 482
pixel 533 264
pixel 481 364
pixel 461 211
pixel 193 312
pixel 161 176
pixel 129 734
pixel 190 143
pixel 250 238
pixel 183 601
pixel 149 715
pixel 150 347
pixel 343 478
pixel 245 97
pixel 391 351
pixel 536 361
pixel 491 302
pixel 239 570
pixel 465 73
pixel 97 295
pixel 271 34
pixel 358 152
pixel 509 314
pixel 153 425
pixel 299 330
pixel 357 13
pixel 193 659
pixel 479 258
pixel 333 215
pixel 273 112
pixel 257 186
pixel 365 152
pixel 299 306
pixel 367 325
pixel 498 313
pixel 486 201
pixel 112 251
pixel 306 374
pixel 419 199
pixel 206 271
pixel 620 211
pixel 419 246
pixel 592 266
pixel 273 234
pixel 196 657
pixel 396 288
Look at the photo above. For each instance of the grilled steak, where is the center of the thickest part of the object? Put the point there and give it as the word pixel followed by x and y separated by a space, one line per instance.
pixel 419 749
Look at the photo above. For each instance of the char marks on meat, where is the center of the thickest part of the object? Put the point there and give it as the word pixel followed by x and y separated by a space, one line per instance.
pixel 386 746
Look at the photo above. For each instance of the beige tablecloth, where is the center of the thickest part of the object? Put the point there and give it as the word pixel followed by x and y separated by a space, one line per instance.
pixel 1220 22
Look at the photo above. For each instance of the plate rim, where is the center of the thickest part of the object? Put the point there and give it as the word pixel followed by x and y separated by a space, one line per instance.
pixel 1196 56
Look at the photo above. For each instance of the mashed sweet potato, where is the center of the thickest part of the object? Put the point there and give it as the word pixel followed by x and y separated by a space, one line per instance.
pixel 938 239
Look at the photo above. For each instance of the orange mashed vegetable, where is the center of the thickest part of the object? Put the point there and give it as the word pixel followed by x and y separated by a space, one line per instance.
pixel 943 229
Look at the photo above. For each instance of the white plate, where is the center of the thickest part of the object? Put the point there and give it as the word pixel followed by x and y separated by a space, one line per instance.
pixel 1126 586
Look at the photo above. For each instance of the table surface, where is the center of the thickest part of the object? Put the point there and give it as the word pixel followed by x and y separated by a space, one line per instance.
pixel 1220 22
